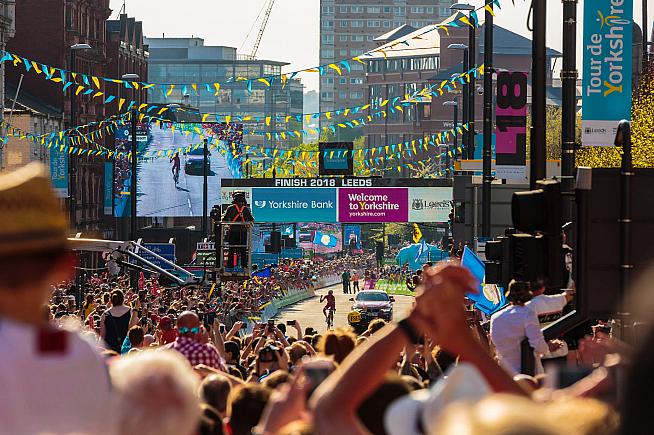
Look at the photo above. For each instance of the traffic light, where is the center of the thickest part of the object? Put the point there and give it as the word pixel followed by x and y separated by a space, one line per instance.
pixel 499 264
pixel 536 250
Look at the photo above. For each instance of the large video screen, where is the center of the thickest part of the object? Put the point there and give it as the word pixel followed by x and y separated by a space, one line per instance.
pixel 162 190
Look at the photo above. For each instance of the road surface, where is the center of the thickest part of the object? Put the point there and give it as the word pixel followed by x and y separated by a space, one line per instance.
pixel 309 312
pixel 157 193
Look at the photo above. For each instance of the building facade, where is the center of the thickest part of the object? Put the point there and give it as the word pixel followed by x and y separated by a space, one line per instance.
pixel 7 31
pixel 348 28
pixel 184 61
pixel 427 61
pixel 45 31
pixel 30 115
pixel 126 54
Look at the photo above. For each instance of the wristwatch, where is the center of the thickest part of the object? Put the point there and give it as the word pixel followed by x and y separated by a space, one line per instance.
pixel 409 330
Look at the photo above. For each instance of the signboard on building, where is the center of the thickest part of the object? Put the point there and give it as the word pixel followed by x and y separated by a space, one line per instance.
pixel 165 250
pixel 606 80
pixel 336 158
pixel 511 121
pixel 346 200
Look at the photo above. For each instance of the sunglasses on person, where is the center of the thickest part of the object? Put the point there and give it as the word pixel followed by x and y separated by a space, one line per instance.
pixel 184 330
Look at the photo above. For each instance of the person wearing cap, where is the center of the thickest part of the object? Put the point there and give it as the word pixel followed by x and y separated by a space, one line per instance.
pixel 508 327
pixel 53 381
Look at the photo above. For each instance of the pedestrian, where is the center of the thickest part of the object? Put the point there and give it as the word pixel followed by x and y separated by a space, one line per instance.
pixel 345 277
pixel 191 344
pixel 116 321
pixel 355 281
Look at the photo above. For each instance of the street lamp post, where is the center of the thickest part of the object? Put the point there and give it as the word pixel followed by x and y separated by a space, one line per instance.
pixel 205 188
pixel 466 131
pixel 72 161
pixel 455 106
pixel 133 190
pixel 487 179
pixel 472 63
pixel 537 166
pixel 568 104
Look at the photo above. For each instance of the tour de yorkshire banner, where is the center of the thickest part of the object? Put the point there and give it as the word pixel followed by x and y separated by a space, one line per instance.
pixel 606 83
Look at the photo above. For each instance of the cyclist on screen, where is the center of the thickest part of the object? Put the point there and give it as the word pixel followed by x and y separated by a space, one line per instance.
pixel 176 165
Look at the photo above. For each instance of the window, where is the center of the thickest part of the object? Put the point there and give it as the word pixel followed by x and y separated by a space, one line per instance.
pixel 343 23
pixel 342 95
pixel 342 9
pixel 387 23
pixel 342 81
pixel 370 38
pixel 328 10
pixel 373 23
pixel 400 11
pixel 443 11
pixel 356 38
pixel 356 67
pixel 429 10
pixel 398 23
pixel 356 9
pixel 326 95
pixel 356 81
pixel 342 52
pixel 342 38
pixel 357 23
pixel 415 24
pixel 327 52
pixel 387 9
pixel 417 10
pixel 327 24
pixel 329 80
pixel 328 39
pixel 356 94
pixel 374 10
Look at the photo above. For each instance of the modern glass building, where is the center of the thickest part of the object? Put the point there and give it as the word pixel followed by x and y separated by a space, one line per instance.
pixel 184 61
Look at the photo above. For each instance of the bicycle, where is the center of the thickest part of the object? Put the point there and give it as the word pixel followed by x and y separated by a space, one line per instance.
pixel 329 318
pixel 176 175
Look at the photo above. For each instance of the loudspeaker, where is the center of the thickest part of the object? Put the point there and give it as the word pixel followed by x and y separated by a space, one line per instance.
pixel 289 242
pixel 275 242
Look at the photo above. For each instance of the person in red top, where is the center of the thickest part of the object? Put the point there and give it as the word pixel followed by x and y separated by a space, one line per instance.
pixel 176 166
pixel 331 301
pixel 189 343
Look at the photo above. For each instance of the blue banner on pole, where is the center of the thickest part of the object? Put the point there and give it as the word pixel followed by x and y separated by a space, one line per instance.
pixel 606 82
pixel 59 171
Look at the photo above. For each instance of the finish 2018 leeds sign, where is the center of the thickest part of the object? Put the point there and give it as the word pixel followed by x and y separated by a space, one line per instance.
pixel 346 200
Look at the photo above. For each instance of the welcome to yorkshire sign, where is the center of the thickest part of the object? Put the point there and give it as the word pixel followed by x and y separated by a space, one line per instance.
pixel 606 84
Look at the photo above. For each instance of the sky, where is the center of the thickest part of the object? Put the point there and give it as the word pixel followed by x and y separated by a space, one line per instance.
pixel 293 31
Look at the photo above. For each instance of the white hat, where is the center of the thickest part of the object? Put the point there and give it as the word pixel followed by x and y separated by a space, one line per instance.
pixel 418 413
pixel 53 381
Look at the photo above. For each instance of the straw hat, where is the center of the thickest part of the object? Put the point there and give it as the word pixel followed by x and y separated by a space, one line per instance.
pixel 31 219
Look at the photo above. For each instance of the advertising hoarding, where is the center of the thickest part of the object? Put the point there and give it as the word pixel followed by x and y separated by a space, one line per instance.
pixel 59 171
pixel 373 205
pixel 606 80
pixel 429 204
pixel 302 205
pixel 511 121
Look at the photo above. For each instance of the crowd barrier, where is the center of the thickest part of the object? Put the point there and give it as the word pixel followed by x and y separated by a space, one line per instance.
pixel 271 309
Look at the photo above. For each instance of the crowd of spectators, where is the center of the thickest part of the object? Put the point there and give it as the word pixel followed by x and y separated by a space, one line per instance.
pixel 180 372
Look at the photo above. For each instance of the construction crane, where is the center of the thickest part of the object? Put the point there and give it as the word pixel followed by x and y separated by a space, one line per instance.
pixel 262 29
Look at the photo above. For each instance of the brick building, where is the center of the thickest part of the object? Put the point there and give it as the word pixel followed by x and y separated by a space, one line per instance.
pixel 45 32
pixel 425 61
pixel 348 28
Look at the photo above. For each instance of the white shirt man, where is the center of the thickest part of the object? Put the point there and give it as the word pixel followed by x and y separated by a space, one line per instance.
pixel 549 308
pixel 508 328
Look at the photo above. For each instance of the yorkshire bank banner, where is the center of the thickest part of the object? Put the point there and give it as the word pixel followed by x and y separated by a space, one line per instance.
pixel 606 83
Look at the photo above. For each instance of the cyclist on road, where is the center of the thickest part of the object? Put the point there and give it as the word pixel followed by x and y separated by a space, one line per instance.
pixel 176 165
pixel 331 302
